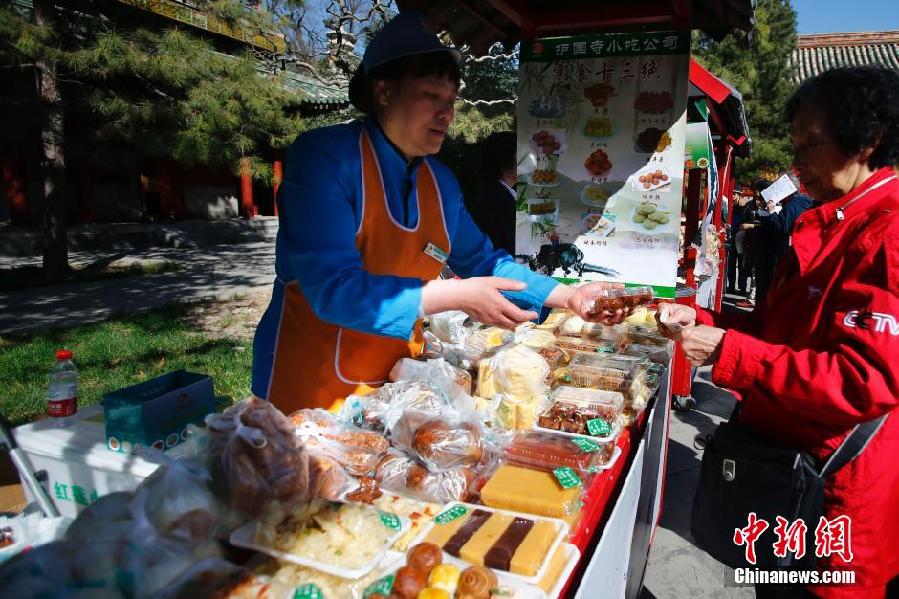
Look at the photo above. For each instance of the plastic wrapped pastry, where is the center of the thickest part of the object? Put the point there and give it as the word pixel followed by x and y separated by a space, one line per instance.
pixel 255 457
pixel 440 442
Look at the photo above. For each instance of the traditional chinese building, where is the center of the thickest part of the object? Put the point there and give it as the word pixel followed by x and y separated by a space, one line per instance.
pixel 819 52
pixel 136 189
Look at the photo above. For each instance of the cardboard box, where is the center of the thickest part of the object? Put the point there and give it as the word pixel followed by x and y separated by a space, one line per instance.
pixel 156 413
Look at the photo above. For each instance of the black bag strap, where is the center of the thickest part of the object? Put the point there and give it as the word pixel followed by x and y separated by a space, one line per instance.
pixel 852 446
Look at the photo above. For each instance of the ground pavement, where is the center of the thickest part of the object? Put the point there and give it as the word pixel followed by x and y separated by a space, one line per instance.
pixel 208 273
pixel 677 568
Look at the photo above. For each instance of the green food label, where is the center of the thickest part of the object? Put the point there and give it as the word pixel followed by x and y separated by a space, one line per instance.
pixel 592 469
pixel 585 444
pixel 379 587
pixel 599 427
pixel 308 591
pixel 457 511
pixel 604 349
pixel 390 521
pixel 567 477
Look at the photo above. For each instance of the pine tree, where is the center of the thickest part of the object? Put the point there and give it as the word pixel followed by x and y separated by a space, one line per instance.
pixel 757 65
pixel 164 92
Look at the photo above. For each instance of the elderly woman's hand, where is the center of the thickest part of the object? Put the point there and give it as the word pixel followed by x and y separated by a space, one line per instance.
pixel 672 317
pixel 701 343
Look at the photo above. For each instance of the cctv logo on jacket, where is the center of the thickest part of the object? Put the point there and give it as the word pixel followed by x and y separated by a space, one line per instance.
pixel 872 321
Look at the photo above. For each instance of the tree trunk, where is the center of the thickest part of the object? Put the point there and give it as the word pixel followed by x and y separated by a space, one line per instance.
pixel 53 167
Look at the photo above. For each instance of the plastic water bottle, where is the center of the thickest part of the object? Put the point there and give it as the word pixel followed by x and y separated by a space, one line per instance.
pixel 63 394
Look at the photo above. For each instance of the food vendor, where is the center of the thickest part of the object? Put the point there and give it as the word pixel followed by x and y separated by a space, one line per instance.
pixel 368 221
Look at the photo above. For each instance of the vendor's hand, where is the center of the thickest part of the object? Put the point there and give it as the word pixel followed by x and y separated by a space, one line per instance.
pixel 701 344
pixel 479 297
pixel 581 303
pixel 747 226
pixel 672 318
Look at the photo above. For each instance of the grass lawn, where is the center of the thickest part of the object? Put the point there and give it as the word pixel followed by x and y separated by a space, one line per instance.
pixel 117 353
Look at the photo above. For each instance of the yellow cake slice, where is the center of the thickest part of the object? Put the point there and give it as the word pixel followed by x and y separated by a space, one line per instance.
pixel 533 550
pixel 441 533
pixel 480 543
pixel 529 491
pixel 553 570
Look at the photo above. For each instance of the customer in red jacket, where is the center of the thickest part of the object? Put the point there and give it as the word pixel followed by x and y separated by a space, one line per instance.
pixel 822 355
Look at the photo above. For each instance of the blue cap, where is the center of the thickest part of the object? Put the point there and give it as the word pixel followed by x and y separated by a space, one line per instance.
pixel 404 35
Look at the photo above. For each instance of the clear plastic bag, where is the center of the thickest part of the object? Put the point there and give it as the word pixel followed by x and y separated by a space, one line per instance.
pixel 255 457
pixel 402 474
pixel 176 500
pixel 206 578
pixel 321 433
pixel 449 326
pixel 450 379
pixel 417 396
pixel 441 441
pixel 516 371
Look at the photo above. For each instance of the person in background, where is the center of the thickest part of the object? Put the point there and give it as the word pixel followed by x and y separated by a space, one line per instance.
pixel 736 271
pixel 807 373
pixel 773 229
pixel 493 209
pixel 779 224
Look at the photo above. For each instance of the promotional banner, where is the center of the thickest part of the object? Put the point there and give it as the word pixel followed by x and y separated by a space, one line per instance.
pixel 601 135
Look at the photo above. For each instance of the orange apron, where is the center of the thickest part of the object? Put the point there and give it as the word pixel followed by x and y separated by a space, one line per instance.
pixel 317 363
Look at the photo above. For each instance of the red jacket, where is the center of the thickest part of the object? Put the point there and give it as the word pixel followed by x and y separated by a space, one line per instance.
pixel 821 355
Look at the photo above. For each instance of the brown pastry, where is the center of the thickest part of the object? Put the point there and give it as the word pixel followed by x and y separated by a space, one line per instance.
pixel 476 582
pixel 367 491
pixel 328 479
pixel 425 556
pixel 408 581
pixel 255 458
pixel 443 446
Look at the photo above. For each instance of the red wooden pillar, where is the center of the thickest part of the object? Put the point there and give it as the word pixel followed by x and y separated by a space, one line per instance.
pixel 277 177
pixel 14 186
pixel 246 189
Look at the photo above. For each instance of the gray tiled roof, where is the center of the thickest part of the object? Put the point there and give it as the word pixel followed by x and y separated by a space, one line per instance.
pixel 817 53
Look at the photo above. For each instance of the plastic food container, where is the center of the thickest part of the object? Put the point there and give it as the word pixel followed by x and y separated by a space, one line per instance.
pixel 554 356
pixel 638 333
pixel 572 409
pixel 602 332
pixel 579 344
pixel 535 551
pixel 610 372
pixel 548 450
pixel 659 354
pixel 531 491
pixel 615 299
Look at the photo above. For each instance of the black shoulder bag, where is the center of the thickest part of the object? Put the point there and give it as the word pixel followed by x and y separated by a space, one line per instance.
pixel 742 473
